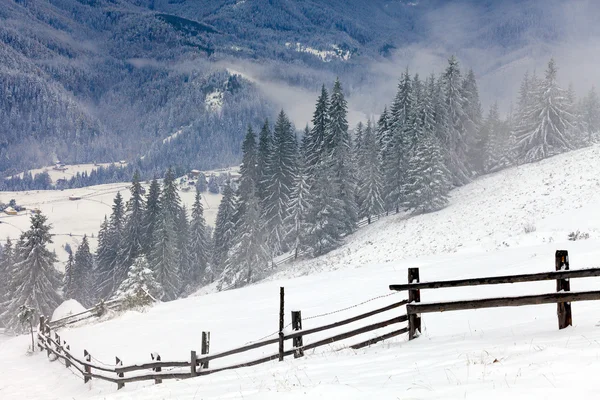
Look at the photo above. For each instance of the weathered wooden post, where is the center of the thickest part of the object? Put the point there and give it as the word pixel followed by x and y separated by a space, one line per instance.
pixel 87 368
pixel 193 359
pixel 67 354
pixel 297 341
pixel 41 331
pixel 563 285
pixel 119 363
pixel 281 321
pixel 156 356
pixel 414 295
pixel 205 347
pixel 58 346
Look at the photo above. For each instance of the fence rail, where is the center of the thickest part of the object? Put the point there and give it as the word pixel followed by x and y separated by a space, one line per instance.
pixel 97 311
pixel 562 297
pixel 198 365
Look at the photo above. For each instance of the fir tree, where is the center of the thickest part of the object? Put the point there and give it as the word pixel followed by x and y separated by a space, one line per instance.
pixel 369 192
pixel 6 267
pixel 283 172
pixel 456 137
pixel 35 281
pixel 546 124
pixel 224 231
pixel 151 215
pixel 263 161
pixel 131 245
pixel 316 147
pixel 249 257
pixel 68 281
pixel 140 288
pixel 249 175
pixel 183 246
pixel 199 243
pixel 590 113
pixel 340 165
pixel 111 237
pixel 473 121
pixel 295 223
pixel 82 276
pixel 164 257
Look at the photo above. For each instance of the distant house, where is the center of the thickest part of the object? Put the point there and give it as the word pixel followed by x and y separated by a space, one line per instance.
pixel 10 211
pixel 195 172
pixel 59 167
pixel 74 197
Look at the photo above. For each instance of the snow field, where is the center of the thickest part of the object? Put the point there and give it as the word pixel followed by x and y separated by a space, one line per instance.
pixel 489 353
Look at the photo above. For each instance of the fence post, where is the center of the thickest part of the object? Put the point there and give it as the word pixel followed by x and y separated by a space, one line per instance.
pixel 48 335
pixel 414 295
pixel 87 368
pixel 41 331
pixel 297 341
pixel 156 356
pixel 281 320
pixel 193 359
pixel 563 285
pixel 205 347
pixel 119 363
pixel 67 354
pixel 58 346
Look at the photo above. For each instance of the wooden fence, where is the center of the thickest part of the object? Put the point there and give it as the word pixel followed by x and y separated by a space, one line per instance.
pixel 563 296
pixel 97 311
pixel 197 365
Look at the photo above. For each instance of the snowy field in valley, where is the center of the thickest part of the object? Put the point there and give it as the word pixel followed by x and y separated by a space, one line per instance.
pixel 72 219
pixel 507 223
pixel 67 171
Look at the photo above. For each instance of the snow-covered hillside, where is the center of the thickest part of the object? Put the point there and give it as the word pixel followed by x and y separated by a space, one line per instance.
pixel 490 353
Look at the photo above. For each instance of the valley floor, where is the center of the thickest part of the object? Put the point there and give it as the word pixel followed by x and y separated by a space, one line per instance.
pixel 489 353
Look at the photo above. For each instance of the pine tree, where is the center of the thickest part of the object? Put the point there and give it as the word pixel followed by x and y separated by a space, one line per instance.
pixel 183 245
pixel 199 243
pixel 263 161
pixel 68 281
pixel 110 239
pixel 339 147
pixel 151 216
pixel 495 138
pixel 325 217
pixel 316 147
pixel 6 267
pixel 131 245
pixel 295 223
pixel 590 112
pixel 35 281
pixel 249 175
pixel 547 124
pixel 369 192
pixel 167 249
pixel 224 231
pixel 82 275
pixel 249 257
pixel 472 107
pixel 456 137
pixel 283 173
pixel 140 288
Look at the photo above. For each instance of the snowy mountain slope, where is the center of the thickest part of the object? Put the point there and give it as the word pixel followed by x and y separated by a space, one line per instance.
pixel 494 353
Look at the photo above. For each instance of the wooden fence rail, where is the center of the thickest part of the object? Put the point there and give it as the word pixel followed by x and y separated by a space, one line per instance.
pixel 198 365
pixel 563 296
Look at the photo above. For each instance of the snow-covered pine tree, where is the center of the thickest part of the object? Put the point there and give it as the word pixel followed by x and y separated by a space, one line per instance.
pixel 140 288
pixel 397 150
pixel 369 191
pixel 6 266
pixel 547 124
pixel 325 217
pixel 472 107
pixel 224 231
pixel 263 161
pixel 358 142
pixel 494 140
pixel 590 114
pixel 316 140
pixel 68 281
pixel 295 223
pixel 183 244
pixel 248 182
pixel 249 257
pixel 106 269
pixel 458 125
pixel 82 276
pixel 151 215
pixel 383 139
pixel 131 245
pixel 165 256
pixel 35 281
pixel 339 152
pixel 199 246
pixel 284 166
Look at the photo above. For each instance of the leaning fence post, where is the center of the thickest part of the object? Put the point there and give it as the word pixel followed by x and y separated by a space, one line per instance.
pixel 67 354
pixel 297 341
pixel 58 346
pixel 281 321
pixel 563 285
pixel 156 356
pixel 205 347
pixel 414 295
pixel 41 331
pixel 119 363
pixel 87 368
pixel 193 359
